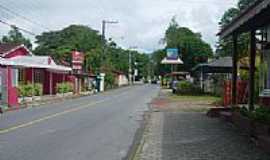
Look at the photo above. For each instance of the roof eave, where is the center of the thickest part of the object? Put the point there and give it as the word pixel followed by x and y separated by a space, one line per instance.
pixel 242 21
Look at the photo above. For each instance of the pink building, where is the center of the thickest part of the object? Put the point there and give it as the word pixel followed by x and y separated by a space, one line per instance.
pixel 18 65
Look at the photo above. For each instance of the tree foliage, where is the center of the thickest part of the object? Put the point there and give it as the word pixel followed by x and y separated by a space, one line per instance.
pixel 16 37
pixel 60 44
pixel 224 46
pixel 242 4
pixel 192 48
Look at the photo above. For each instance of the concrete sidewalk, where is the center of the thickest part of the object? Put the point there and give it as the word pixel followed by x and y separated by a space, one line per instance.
pixel 175 133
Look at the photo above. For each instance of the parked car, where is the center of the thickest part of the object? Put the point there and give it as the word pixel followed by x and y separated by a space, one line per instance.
pixel 154 81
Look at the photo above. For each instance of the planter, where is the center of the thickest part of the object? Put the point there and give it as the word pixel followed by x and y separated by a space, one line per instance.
pixel 25 99
pixel 64 94
pixel 86 93
pixel 37 98
pixel 244 123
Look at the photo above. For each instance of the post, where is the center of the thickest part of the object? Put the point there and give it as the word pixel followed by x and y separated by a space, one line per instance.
pixel 103 39
pixel 252 59
pixel 51 82
pixel 33 79
pixel 201 79
pixel 102 82
pixel 130 68
pixel 234 71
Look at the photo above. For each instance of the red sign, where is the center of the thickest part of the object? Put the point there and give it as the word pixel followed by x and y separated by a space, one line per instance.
pixel 77 60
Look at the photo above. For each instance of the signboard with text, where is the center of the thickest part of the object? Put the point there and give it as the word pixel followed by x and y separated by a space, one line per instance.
pixel 172 53
pixel 77 60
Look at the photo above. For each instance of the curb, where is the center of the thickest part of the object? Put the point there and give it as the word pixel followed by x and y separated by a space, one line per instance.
pixel 137 141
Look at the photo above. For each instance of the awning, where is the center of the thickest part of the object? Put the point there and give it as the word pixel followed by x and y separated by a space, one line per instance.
pixel 6 62
pixel 42 62
pixel 172 61
pixel 221 65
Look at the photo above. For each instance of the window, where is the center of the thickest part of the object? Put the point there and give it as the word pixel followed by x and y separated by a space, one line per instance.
pixel 21 75
pixel 38 77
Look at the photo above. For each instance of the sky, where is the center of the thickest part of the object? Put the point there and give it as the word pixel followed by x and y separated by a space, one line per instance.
pixel 142 23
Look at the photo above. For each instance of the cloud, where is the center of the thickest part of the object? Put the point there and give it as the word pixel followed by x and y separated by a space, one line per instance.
pixel 142 23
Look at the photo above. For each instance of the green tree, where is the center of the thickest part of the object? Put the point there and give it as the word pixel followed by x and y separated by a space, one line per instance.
pixel 16 37
pixel 242 4
pixel 228 16
pixel 59 45
pixel 224 46
pixel 193 49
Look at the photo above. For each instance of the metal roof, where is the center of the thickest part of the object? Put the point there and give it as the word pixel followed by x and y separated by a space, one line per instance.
pixel 221 65
pixel 44 62
pixel 255 16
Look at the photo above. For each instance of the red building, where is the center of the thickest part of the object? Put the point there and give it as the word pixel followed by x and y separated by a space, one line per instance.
pixel 18 65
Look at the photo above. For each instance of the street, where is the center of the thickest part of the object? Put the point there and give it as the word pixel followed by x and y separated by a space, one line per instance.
pixel 99 127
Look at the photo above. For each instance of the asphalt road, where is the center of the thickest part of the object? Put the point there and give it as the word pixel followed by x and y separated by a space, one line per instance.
pixel 99 127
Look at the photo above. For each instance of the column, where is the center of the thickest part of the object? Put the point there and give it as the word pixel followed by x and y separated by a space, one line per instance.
pixel 234 71
pixel 252 60
pixel 102 82
pixel 51 82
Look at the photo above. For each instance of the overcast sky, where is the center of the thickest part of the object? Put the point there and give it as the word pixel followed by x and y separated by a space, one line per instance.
pixel 142 23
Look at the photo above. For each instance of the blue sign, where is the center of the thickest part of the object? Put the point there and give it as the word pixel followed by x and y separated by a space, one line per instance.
pixel 172 53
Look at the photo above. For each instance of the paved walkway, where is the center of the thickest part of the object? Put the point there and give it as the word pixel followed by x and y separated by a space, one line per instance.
pixel 184 135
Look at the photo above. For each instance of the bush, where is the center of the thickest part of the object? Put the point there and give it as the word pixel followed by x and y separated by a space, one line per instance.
pixel 185 87
pixel 64 87
pixel 261 115
pixel 28 90
pixel 109 81
pixel 38 89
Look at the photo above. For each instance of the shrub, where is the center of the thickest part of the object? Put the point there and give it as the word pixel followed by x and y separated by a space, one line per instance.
pixel 64 87
pixel 38 89
pixel 261 115
pixel 109 81
pixel 185 87
pixel 28 90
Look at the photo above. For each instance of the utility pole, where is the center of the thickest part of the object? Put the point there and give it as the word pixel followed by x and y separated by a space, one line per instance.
pixel 130 75
pixel 129 68
pixel 103 36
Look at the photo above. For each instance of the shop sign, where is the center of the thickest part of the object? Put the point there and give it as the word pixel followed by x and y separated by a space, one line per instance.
pixel 77 60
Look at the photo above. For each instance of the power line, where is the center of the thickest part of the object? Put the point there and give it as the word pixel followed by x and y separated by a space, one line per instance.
pixel 23 17
pixel 19 28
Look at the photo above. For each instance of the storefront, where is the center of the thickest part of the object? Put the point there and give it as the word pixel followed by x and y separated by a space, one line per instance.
pixel 255 21
pixel 19 66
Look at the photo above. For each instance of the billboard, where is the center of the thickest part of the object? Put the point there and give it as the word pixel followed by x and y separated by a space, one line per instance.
pixel 77 60
pixel 172 53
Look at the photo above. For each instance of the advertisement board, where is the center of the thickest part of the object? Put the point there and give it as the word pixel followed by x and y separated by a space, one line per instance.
pixel 77 60
pixel 172 53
